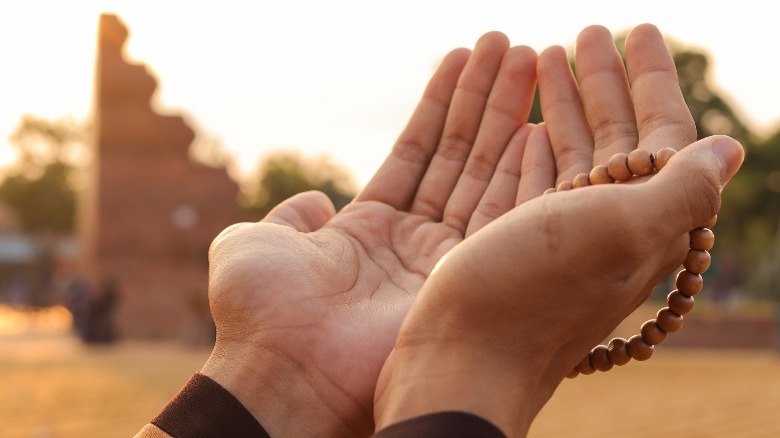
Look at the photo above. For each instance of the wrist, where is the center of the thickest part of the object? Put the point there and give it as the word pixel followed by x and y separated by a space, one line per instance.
pixel 275 390
pixel 458 376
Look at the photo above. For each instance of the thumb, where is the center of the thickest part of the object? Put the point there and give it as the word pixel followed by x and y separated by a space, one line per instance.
pixel 689 186
pixel 305 212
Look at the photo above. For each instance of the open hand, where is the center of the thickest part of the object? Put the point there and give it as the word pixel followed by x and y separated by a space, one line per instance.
pixel 308 302
pixel 509 312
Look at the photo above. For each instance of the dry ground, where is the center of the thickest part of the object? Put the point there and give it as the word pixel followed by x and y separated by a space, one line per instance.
pixel 52 386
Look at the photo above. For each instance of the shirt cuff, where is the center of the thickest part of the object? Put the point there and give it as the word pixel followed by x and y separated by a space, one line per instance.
pixel 204 409
pixel 442 425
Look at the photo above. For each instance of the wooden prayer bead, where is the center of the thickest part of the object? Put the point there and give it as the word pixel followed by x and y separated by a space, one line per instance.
pixel 697 262
pixel 599 358
pixel 600 175
pixel 668 321
pixel 581 180
pixel 617 352
pixel 710 223
pixel 651 333
pixel 550 190
pixel 702 239
pixel 618 167
pixel 679 303
pixel 640 162
pixel 566 185
pixel 639 349
pixel 662 157
pixel 585 367
pixel 689 283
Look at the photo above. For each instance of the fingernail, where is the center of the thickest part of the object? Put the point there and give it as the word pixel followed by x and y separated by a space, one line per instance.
pixel 730 153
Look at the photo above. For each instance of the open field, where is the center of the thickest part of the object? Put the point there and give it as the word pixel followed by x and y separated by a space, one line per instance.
pixel 52 386
pixel 677 393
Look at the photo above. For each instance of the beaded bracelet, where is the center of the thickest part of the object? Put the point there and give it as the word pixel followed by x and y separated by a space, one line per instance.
pixel 622 167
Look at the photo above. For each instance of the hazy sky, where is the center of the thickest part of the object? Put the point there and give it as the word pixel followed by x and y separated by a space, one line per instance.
pixel 333 77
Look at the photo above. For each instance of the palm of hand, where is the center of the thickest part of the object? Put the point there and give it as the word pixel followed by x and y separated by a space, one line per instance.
pixel 317 298
pixel 330 301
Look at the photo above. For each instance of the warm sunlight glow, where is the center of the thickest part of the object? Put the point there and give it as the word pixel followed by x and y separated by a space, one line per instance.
pixel 55 319
pixel 332 77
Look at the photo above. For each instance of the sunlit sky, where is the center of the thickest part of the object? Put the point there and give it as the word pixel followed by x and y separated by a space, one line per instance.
pixel 334 77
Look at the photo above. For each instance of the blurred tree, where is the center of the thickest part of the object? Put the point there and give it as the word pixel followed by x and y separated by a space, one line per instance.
pixel 40 185
pixel 46 202
pixel 40 142
pixel 283 174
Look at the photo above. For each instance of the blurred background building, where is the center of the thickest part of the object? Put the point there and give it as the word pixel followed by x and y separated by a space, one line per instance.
pixel 113 218
pixel 148 213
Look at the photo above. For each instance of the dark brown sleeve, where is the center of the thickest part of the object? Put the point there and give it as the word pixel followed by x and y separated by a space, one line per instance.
pixel 442 425
pixel 204 409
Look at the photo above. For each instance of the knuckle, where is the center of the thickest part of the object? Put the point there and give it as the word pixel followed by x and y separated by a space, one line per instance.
pixel 490 210
pixel 479 167
pixel 454 146
pixel 703 192
pixel 412 150
pixel 610 132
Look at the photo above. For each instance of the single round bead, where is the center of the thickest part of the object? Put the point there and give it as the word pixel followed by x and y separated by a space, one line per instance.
pixel 668 321
pixel 710 223
pixel 566 185
pixel 689 283
pixel 618 167
pixel 639 349
pixel 640 162
pixel 651 333
pixel 585 367
pixel 550 190
pixel 617 352
pixel 662 157
pixel 702 239
pixel 697 262
pixel 599 358
pixel 573 373
pixel 679 303
pixel 600 175
pixel 581 180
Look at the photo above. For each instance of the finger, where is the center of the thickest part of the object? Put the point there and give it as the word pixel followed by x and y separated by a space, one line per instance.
pixel 564 115
pixel 538 169
pixel 507 109
pixel 305 212
pixel 460 129
pixel 502 191
pixel 662 117
pixel 605 94
pixel 686 192
pixel 396 181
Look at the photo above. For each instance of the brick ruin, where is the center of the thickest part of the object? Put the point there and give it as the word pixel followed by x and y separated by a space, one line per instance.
pixel 149 212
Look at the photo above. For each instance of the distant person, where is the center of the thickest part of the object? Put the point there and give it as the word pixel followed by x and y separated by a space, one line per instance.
pixel 78 300
pixel 102 318
pixel 449 299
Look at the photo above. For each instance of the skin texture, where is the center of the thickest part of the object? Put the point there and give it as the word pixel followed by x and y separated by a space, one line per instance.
pixel 308 302
pixel 508 313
